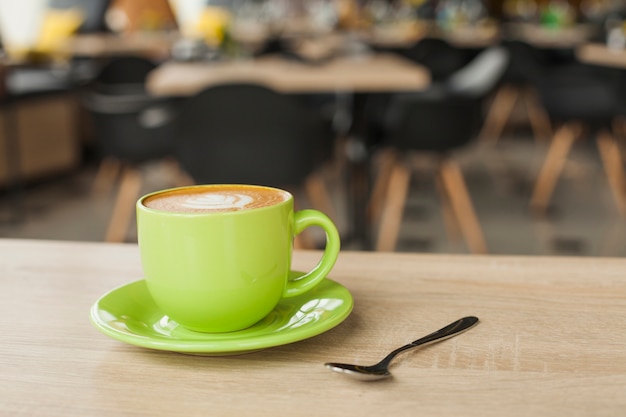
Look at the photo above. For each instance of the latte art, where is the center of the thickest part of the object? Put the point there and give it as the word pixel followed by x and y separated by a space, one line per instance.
pixel 215 198
pixel 218 201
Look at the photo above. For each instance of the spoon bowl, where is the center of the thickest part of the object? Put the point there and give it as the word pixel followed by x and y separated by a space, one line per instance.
pixel 381 369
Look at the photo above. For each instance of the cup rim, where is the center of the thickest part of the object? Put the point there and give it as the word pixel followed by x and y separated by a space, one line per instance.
pixel 141 206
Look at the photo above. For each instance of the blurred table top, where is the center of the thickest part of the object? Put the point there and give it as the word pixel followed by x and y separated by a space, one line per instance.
pixel 600 54
pixel 551 341
pixel 550 38
pixel 405 35
pixel 369 72
pixel 151 44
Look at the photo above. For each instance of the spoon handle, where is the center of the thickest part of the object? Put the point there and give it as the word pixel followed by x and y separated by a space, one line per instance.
pixel 444 333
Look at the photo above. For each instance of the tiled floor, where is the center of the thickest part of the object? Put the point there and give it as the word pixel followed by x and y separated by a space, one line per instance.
pixel 582 221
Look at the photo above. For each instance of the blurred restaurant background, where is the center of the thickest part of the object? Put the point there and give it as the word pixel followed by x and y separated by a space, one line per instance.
pixel 455 126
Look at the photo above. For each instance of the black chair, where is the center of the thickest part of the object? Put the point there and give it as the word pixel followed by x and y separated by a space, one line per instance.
pixel 245 133
pixel 123 75
pixel 580 99
pixel 130 128
pixel 440 57
pixel 438 121
pixel 525 69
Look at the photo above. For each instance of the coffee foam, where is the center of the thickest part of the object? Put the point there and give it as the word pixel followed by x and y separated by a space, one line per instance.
pixel 218 201
pixel 215 199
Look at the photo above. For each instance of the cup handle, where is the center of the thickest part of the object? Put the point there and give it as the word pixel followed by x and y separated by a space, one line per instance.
pixel 302 220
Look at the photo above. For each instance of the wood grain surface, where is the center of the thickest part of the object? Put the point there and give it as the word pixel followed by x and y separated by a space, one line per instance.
pixel 551 341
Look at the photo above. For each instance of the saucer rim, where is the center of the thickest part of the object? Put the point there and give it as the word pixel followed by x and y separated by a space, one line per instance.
pixel 212 347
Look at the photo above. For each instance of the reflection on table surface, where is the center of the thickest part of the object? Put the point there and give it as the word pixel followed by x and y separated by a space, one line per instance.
pixel 551 338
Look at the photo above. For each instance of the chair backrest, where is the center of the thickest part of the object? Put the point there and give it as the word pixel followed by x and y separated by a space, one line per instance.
pixel 244 133
pixel 527 63
pixel 581 92
pixel 440 57
pixel 124 74
pixel 481 75
pixel 129 124
pixel 132 128
pixel 449 114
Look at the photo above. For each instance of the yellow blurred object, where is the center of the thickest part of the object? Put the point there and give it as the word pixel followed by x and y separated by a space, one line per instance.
pixel 58 25
pixel 212 24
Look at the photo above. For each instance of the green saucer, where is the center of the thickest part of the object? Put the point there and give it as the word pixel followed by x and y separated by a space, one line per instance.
pixel 128 314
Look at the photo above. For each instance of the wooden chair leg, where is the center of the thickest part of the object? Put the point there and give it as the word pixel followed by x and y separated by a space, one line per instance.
pixel 124 205
pixel 619 127
pixel 387 160
pixel 462 206
pixel 318 194
pixel 106 175
pixel 303 241
pixel 552 167
pixel 449 219
pixel 613 167
pixel 339 160
pixel 394 202
pixel 499 113
pixel 537 116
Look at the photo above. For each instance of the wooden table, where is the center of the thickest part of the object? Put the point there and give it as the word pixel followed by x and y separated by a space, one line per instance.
pixel 551 341
pixel 550 38
pixel 370 73
pixel 156 45
pixel 402 36
pixel 600 54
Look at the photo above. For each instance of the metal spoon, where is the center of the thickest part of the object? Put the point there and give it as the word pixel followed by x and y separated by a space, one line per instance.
pixel 381 369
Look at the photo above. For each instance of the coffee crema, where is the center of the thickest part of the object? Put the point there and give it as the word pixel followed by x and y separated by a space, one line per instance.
pixel 215 199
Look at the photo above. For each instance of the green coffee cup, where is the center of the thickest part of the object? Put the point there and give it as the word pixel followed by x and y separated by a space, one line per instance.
pixel 217 258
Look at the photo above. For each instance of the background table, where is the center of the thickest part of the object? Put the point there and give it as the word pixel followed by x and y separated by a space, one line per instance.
pixel 369 73
pixel 551 342
pixel 398 36
pixel 600 54
pixel 156 45
pixel 550 38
